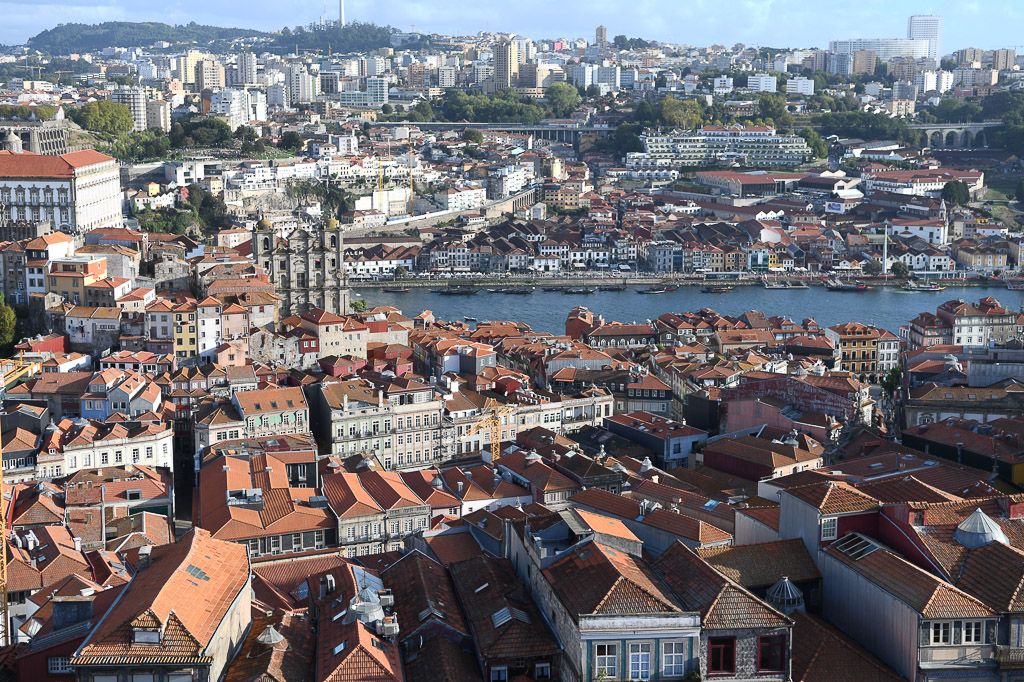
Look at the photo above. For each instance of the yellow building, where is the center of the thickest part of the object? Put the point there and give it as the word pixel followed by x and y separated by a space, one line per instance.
pixel 69 276
pixel 186 339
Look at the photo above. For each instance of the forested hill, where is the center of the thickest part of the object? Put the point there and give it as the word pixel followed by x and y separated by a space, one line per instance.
pixel 69 38
pixel 73 38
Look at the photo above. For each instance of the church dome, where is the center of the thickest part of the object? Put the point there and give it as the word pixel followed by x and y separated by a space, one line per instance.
pixel 264 224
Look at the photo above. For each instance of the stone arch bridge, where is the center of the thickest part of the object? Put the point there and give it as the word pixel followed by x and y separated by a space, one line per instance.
pixel 955 135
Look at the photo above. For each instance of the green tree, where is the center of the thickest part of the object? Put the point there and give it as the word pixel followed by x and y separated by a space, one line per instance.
pixel 814 141
pixel 473 135
pixel 773 106
pixel 386 109
pixel 893 380
pixel 1020 191
pixel 956 192
pixel 680 113
pixel 563 99
pixel 626 138
pixel 593 91
pixel 400 272
pixel 358 306
pixel 660 82
pixel 104 116
pixel 872 267
pixel 899 269
pixel 8 326
pixel 291 140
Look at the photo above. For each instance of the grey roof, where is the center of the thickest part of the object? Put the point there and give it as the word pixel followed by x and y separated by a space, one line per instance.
pixel 978 530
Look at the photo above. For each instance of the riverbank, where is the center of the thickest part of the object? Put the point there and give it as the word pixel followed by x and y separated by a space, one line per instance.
pixel 575 281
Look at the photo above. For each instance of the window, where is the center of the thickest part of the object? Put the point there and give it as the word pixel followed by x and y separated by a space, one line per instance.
pixel 146 637
pixel 940 633
pixel 721 655
pixel 640 661
pixel 606 660
pixel 57 665
pixel 829 528
pixel 499 674
pixel 771 653
pixel 179 677
pixel 142 677
pixel 674 659
pixel 542 671
pixel 974 632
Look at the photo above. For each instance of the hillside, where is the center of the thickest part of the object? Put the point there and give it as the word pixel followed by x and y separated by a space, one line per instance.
pixel 68 38
pixel 71 38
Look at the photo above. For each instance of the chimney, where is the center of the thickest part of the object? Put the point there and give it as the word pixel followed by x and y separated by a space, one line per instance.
pixel 380 398
pixel 78 544
pixel 959 453
pixel 344 403
pixel 145 557
pixel 460 487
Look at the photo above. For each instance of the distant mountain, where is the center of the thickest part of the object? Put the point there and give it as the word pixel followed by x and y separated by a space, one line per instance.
pixel 69 38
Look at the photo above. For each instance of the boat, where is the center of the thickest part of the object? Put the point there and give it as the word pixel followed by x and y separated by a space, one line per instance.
pixel 716 290
pixel 768 284
pixel 552 289
pixel 517 291
pixel 577 291
pixel 918 286
pixel 839 285
pixel 652 290
pixel 611 288
pixel 797 285
pixel 395 290
pixel 670 288
pixel 467 318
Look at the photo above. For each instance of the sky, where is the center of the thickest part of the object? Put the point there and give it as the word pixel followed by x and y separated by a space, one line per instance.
pixel 987 24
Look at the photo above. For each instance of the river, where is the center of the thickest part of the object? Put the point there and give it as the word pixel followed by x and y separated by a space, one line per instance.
pixel 545 311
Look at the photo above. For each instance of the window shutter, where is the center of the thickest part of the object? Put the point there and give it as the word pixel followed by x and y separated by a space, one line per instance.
pixel 924 633
pixel 958 631
pixel 990 631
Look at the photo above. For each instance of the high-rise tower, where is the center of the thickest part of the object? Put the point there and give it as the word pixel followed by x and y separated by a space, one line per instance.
pixel 927 27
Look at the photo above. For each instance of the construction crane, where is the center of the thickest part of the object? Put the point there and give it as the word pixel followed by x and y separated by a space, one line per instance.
pixel 38 69
pixel 492 423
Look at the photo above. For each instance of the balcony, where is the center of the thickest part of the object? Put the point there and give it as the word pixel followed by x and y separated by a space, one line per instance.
pixel 1010 657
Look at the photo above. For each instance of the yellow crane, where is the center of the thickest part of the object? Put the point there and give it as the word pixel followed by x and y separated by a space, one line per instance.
pixel 38 69
pixel 492 423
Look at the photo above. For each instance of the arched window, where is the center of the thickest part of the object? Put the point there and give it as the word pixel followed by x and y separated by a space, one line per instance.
pixel 334 241
pixel 266 243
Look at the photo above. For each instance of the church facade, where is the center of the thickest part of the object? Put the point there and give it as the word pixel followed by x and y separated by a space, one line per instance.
pixel 307 266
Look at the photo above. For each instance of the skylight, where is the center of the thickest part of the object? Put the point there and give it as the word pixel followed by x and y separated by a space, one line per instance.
pixel 855 546
pixel 341 647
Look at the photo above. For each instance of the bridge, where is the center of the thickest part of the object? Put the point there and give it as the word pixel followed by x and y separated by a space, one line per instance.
pixel 955 135
pixel 559 133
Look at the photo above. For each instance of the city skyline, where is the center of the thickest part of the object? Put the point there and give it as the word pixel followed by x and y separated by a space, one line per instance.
pixel 778 23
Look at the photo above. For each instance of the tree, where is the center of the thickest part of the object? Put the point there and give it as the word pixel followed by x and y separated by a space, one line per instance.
pixel 773 106
pixel 593 91
pixel 686 114
pixel 660 82
pixel 956 192
pixel 291 140
pixel 8 325
pixel 357 306
pixel 893 380
pixel 386 109
pixel 563 99
pixel 1020 191
pixel 814 141
pixel 473 135
pixel 104 116
pixel 872 267
pixel 400 272
pixel 899 269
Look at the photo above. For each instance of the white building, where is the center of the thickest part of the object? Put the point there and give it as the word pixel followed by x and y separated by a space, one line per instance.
pixel 723 85
pixel 461 198
pixel 76 192
pixel 446 77
pixel 99 445
pixel 610 76
pixel 884 48
pixel 135 100
pixel 751 145
pixel 927 27
pixel 762 82
pixel 802 86
pixel 158 115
